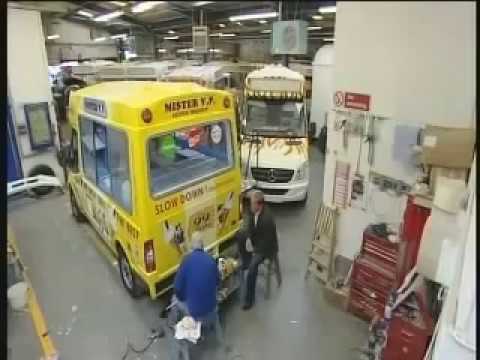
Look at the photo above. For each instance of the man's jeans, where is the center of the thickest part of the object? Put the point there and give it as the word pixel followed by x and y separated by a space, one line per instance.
pixel 252 273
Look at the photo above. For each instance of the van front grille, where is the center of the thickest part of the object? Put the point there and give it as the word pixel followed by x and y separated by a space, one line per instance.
pixel 274 191
pixel 272 175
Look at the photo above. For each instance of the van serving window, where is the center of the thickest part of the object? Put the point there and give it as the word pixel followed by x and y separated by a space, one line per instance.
pixel 187 155
pixel 105 160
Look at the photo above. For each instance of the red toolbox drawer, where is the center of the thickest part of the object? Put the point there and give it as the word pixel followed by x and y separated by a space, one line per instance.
pixel 380 248
pixel 367 270
pixel 370 291
pixel 363 305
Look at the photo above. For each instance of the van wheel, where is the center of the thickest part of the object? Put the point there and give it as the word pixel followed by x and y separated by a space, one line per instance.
pixel 130 280
pixel 41 169
pixel 76 213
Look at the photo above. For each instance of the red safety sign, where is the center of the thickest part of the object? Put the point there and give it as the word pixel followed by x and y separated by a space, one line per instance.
pixel 338 98
pixel 357 101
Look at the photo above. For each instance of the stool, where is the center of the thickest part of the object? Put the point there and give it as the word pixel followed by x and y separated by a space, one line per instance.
pixel 267 269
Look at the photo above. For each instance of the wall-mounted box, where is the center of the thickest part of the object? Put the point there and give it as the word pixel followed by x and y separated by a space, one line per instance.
pixel 289 37
pixel 448 147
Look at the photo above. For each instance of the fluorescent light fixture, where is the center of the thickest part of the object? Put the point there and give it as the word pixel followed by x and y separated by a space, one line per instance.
pixel 317 17
pixel 145 5
pixel 329 39
pixel 265 15
pixel 85 13
pixel 239 23
pixel 266 31
pixel 119 36
pixel 327 9
pixel 222 34
pixel 201 3
pixel 162 50
pixel 103 38
pixel 109 16
pixel 221 25
pixel 53 37
pixel 262 21
pixel 215 50
pixel 129 55
pixel 171 31
pixel 314 27
pixel 119 3
pixel 170 37
pixel 185 50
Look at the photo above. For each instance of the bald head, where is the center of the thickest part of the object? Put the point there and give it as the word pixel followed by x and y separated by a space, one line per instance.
pixel 197 241
pixel 256 201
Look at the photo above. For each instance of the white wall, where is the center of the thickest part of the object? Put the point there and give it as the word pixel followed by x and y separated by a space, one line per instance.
pixel 76 41
pixel 27 75
pixel 417 61
pixel 457 325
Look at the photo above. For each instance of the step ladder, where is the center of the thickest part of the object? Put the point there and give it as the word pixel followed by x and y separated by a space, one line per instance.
pixel 320 259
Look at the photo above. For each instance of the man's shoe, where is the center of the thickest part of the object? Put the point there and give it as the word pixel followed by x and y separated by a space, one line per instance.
pixel 247 307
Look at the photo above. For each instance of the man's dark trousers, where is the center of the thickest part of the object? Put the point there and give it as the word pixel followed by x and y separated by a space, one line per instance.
pixel 252 273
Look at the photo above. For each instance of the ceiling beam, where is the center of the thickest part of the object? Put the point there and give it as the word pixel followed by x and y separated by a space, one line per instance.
pixel 59 7
pixel 96 6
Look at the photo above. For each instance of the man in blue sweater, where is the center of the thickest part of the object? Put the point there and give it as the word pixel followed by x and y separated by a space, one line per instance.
pixel 196 285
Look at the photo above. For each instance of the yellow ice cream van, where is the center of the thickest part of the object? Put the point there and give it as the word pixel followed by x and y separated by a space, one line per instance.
pixel 149 164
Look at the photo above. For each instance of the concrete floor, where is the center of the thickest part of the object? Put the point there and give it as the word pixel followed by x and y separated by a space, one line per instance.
pixel 90 315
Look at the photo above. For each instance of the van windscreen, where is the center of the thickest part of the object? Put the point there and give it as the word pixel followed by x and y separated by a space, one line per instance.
pixel 188 155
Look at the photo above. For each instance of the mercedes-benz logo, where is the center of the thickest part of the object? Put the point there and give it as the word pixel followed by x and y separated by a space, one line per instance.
pixel 272 177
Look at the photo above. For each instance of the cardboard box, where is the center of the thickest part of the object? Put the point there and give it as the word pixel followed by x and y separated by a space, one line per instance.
pixel 451 173
pixel 448 147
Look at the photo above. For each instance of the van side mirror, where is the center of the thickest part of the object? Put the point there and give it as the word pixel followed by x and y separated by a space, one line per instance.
pixel 312 129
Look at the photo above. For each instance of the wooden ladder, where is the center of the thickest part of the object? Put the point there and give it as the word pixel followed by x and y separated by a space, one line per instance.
pixel 320 259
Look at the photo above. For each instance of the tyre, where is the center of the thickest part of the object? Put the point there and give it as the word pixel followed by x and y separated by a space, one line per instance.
pixel 130 280
pixel 76 212
pixel 41 169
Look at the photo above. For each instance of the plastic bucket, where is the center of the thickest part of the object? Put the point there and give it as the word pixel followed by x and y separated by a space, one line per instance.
pixel 17 295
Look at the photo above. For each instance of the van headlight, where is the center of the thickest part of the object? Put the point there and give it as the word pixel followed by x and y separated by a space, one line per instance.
pixel 302 172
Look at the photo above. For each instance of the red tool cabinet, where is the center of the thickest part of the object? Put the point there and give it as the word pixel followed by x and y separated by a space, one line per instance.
pixel 414 219
pixel 409 338
pixel 376 271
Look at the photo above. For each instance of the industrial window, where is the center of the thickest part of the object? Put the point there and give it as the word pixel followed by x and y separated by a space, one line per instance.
pixel 189 155
pixel 39 125
pixel 105 160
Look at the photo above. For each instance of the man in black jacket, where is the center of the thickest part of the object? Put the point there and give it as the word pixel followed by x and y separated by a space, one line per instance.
pixel 262 240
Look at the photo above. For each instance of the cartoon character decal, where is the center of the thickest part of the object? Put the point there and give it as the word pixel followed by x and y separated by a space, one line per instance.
pixel 223 210
pixel 175 235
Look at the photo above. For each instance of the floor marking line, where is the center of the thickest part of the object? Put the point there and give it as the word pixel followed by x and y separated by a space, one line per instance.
pixel 38 319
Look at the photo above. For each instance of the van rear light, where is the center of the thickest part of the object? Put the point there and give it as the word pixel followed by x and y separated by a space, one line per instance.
pixel 149 255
